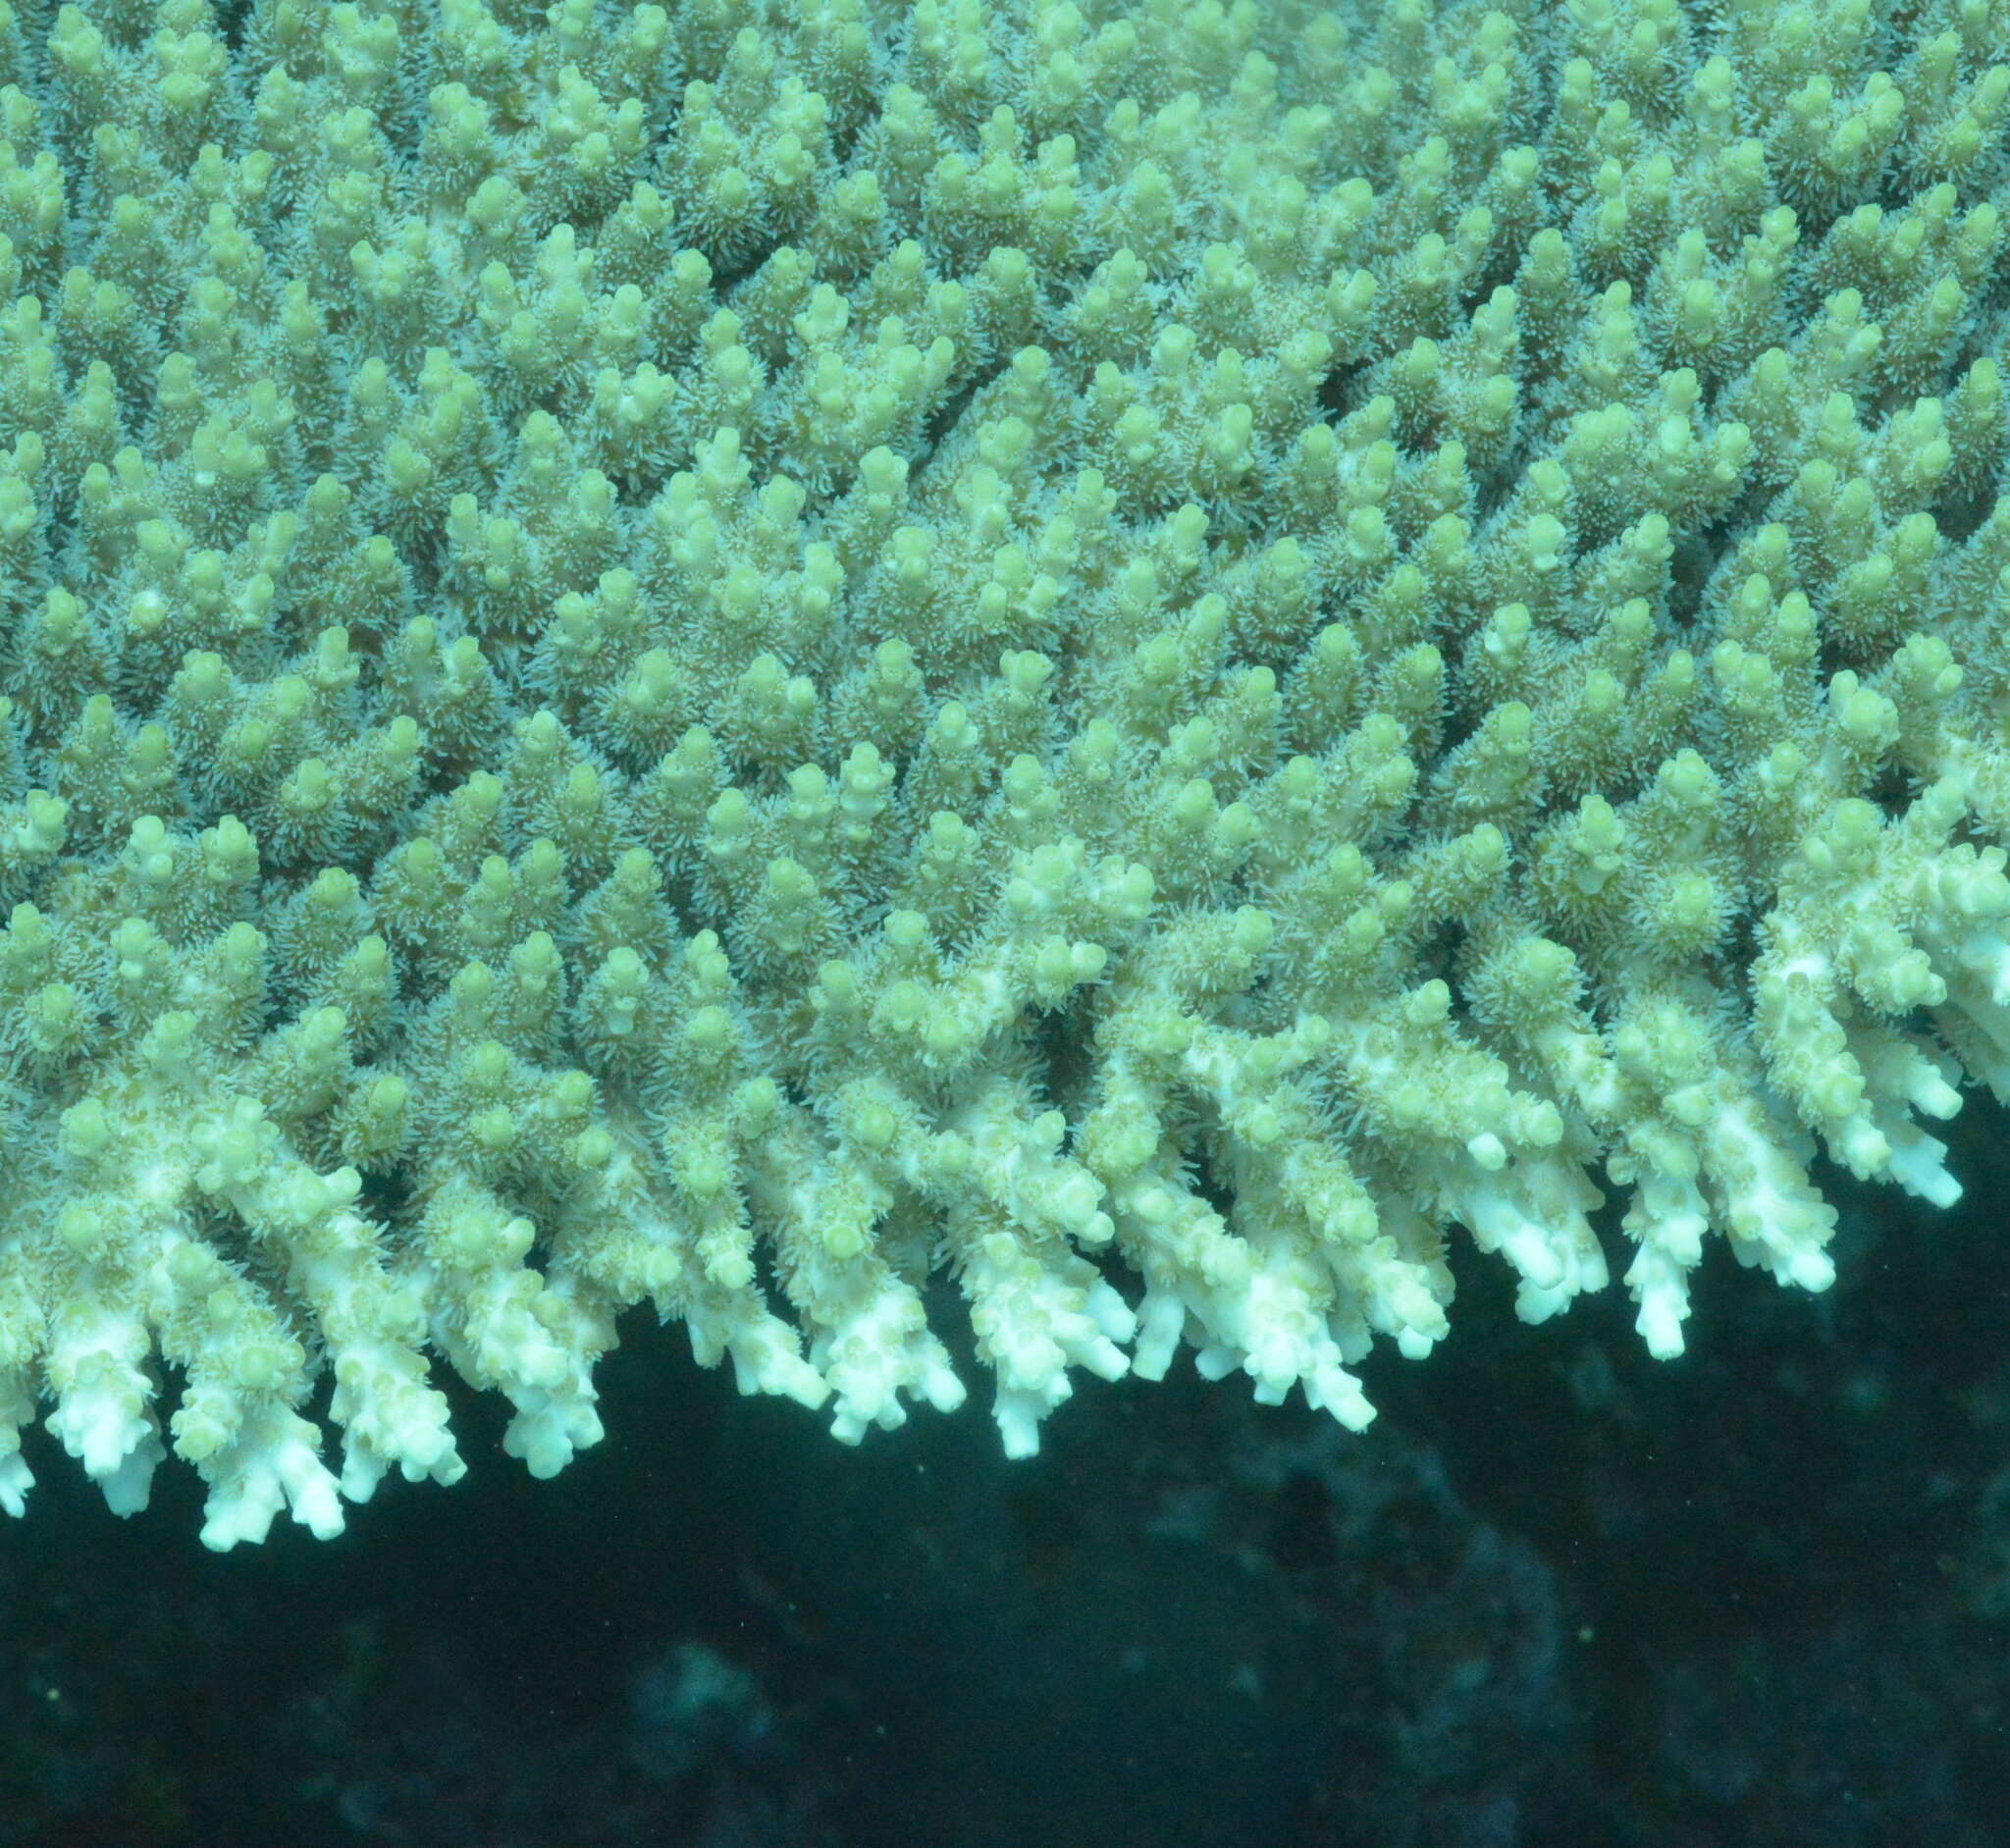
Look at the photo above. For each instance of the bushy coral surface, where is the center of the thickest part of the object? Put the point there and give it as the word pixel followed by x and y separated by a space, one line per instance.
pixel 1158 658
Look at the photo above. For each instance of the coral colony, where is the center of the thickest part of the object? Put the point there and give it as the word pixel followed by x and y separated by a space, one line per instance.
pixel 1165 661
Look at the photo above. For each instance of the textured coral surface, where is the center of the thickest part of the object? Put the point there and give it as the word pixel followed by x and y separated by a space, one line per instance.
pixel 1160 660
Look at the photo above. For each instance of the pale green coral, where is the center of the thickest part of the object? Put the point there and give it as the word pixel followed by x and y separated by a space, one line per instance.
pixel 1145 655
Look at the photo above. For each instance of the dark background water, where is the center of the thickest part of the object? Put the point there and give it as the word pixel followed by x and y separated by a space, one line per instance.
pixel 1558 1592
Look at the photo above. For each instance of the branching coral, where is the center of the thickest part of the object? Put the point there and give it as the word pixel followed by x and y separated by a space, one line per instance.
pixel 1146 655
